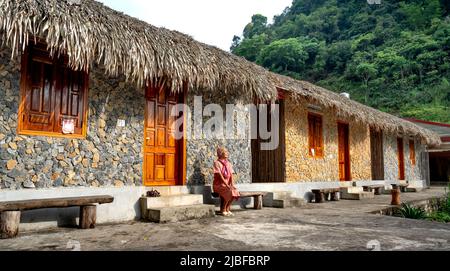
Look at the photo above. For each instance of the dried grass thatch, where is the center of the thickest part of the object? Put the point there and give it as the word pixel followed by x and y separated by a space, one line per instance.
pixel 346 107
pixel 89 32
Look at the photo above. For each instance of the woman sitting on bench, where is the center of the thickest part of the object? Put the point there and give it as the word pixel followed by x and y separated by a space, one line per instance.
pixel 223 182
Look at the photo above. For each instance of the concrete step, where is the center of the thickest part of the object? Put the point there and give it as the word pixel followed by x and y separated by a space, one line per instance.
pixel 180 213
pixel 413 189
pixel 288 203
pixel 357 196
pixel 171 201
pixel 355 193
pixel 282 199
pixel 282 195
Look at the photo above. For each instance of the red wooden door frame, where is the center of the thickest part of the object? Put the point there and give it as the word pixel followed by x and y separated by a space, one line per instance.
pixel 344 151
pixel 149 168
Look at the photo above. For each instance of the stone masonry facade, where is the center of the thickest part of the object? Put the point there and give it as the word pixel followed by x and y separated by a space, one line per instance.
pixel 110 155
pixel 391 169
pixel 113 156
pixel 300 167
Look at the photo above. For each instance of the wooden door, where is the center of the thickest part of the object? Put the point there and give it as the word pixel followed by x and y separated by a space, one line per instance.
pixel 163 154
pixel 344 152
pixel 269 166
pixel 401 159
pixel 377 155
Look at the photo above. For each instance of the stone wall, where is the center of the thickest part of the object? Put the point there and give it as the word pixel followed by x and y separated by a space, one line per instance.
pixel 391 170
pixel 301 167
pixel 201 153
pixel 109 156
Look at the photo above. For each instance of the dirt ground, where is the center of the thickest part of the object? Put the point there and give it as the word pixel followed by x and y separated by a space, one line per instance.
pixel 343 225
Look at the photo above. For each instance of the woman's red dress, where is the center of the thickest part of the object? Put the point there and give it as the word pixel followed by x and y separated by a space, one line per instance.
pixel 226 190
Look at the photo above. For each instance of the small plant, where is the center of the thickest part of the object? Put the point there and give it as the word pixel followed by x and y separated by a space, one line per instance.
pixel 408 211
pixel 439 217
pixel 153 194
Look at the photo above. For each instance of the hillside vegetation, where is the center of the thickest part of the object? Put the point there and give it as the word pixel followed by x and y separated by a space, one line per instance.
pixel 394 56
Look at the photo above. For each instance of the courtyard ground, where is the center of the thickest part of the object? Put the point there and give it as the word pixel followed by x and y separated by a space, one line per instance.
pixel 343 225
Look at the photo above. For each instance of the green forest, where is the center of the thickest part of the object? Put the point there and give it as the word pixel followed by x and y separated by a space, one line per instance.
pixel 394 56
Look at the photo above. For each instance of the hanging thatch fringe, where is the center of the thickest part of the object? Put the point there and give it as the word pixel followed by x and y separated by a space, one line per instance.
pixel 90 32
pixel 348 108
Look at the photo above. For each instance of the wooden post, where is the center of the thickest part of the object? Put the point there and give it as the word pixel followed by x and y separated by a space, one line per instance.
pixel 9 224
pixel 88 216
pixel 395 192
pixel 258 202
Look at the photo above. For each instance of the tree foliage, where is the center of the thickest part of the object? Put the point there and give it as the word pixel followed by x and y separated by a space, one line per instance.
pixel 394 56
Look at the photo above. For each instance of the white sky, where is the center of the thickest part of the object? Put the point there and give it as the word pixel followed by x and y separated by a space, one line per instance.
pixel 214 22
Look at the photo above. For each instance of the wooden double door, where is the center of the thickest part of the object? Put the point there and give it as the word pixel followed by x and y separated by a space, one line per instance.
pixel 164 157
pixel 376 152
pixel 269 166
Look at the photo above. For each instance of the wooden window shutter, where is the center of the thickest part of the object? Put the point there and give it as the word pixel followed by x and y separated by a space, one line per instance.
pixel 51 92
pixel 315 135
pixel 311 142
pixel 70 98
pixel 412 152
pixel 39 94
pixel 319 137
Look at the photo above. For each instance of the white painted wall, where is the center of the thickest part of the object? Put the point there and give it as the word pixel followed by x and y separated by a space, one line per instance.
pixel 126 206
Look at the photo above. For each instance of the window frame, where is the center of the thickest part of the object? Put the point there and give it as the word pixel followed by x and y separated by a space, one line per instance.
pixel 412 152
pixel 24 88
pixel 312 135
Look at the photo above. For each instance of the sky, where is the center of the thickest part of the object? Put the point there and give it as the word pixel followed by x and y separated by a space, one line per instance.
pixel 214 22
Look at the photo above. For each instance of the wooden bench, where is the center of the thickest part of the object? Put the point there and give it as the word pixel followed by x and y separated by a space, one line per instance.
pixel 378 189
pixel 10 211
pixel 321 195
pixel 257 198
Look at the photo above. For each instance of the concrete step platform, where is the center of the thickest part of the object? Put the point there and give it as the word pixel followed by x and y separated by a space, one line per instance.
pixel 288 203
pixel 357 196
pixel 413 189
pixel 282 199
pixel 171 201
pixel 355 193
pixel 180 213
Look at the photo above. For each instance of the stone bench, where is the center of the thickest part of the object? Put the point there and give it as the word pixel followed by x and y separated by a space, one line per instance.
pixel 377 189
pixel 323 194
pixel 257 198
pixel 10 211
pixel 401 186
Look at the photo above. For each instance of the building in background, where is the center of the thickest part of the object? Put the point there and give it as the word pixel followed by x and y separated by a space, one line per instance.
pixel 439 155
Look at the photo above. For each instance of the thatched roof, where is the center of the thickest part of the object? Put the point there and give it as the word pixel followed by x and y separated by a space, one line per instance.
pixel 89 32
pixel 346 107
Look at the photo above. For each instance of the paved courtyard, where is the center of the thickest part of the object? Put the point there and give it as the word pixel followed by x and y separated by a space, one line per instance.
pixel 344 225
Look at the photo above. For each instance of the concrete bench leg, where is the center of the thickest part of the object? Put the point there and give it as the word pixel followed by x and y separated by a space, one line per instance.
pixel 9 224
pixel 334 196
pixel 88 217
pixel 257 201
